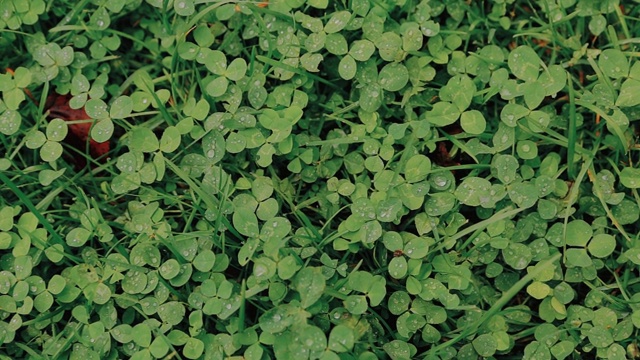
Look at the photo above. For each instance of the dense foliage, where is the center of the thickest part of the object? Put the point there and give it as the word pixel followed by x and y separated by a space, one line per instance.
pixel 361 179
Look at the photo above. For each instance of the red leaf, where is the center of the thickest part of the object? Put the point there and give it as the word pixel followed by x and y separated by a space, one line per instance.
pixel 58 107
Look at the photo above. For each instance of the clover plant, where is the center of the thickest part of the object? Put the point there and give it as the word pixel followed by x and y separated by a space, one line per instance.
pixel 399 179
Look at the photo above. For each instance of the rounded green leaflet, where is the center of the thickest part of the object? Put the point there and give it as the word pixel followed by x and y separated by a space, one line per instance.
pixel 628 93
pixel 613 63
pixel 169 269
pixel 356 304
pixel 143 139
pixel 362 50
pixel 57 130
pixel 412 37
pixel 42 302
pixel 524 63
pixel 10 122
pixel 398 267
pixel 98 292
pixel 553 79
pixel 547 209
pixel 503 138
pixel 538 290
pixel 341 339
pixel 171 312
pixel 517 256
pixel 513 112
pixel 310 284
pixel 441 203
pixel 630 178
pixel 459 90
pixel 213 146
pixel 389 46
pixel 523 194
pixel 262 188
pixel 473 122
pixel 96 109
pixel 578 233
pixel 121 107
pixel 597 24
pixel 336 44
pixel 55 253
pixel 236 69
pixel 313 338
pixel 141 100
pixel 184 7
pixel 264 268
pixel 188 50
pixel 602 245
pixel 599 336
pixel 534 93
pixel 626 212
pixel 203 36
pixel 13 98
pixel 417 248
pixel 392 241
pixel 485 345
pixel 159 347
pixel 102 130
pixel 218 86
pixel 51 151
pixel 417 168
pixel 577 257
pixel 311 61
pixel 246 222
pixel 193 349
pixel 34 139
pixel 170 139
pixel 22 77
pixel 141 335
pixel 527 149
pixel 78 237
pixel 226 11
pixel 347 67
pixel 442 114
pixel 393 77
pixel 398 349
pixel 471 190
pixel 370 97
pixel 205 260
pixel 399 302
pixel 100 18
pixel 337 22
pixel 315 41
pixel 288 267
pixel 122 333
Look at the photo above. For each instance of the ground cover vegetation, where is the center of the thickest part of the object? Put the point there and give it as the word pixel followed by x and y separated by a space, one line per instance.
pixel 322 179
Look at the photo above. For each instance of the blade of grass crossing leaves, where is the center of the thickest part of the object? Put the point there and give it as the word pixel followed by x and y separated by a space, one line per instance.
pixel 611 122
pixel 296 70
pixel 623 23
pixel 204 12
pixel 212 203
pixel 598 192
pixel 497 306
pixel 459 144
pixel 77 9
pixel 571 131
pixel 43 221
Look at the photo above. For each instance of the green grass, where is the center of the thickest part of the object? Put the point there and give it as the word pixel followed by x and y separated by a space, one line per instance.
pixel 319 179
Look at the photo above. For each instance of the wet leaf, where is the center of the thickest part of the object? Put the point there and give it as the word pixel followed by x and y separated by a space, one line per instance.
pixel 524 63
